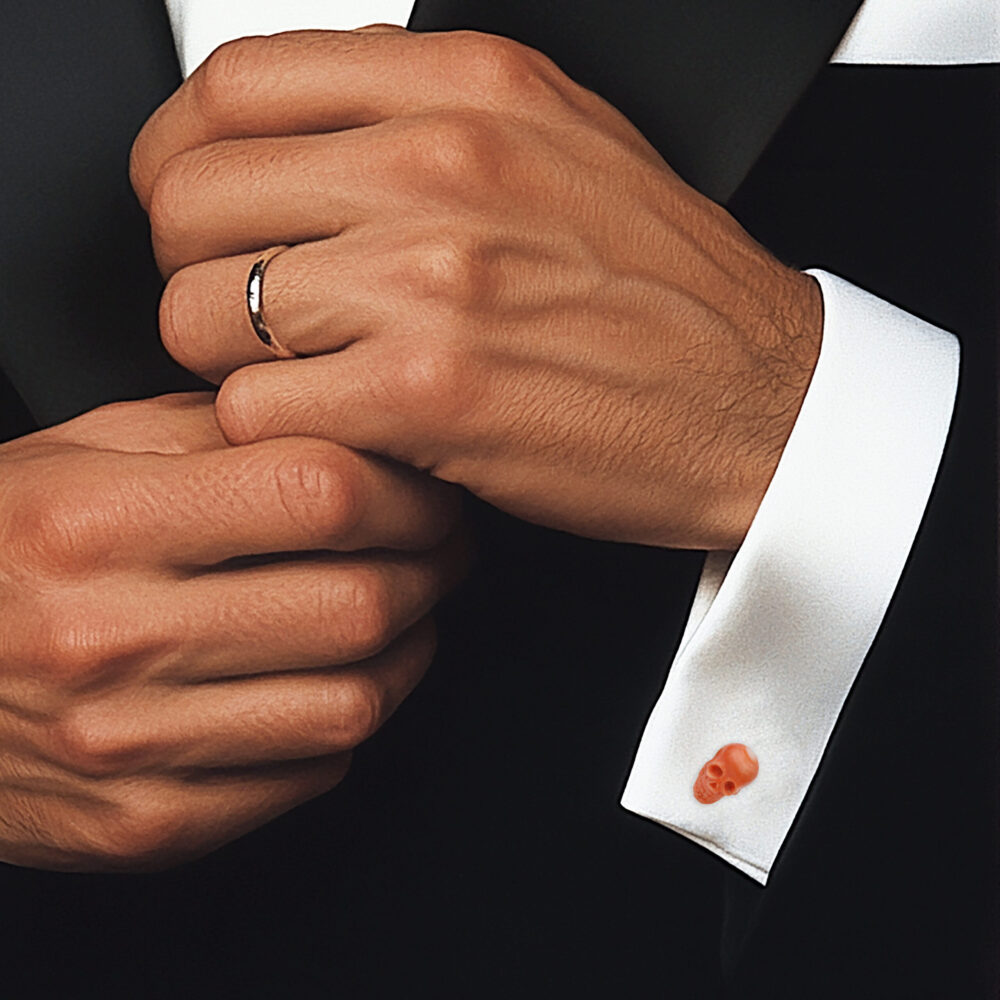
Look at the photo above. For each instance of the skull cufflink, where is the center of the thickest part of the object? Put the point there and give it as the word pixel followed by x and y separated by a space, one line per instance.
pixel 733 767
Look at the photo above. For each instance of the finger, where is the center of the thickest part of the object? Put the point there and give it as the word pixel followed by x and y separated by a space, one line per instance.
pixel 306 495
pixel 355 395
pixel 319 297
pixel 184 818
pixel 253 720
pixel 201 509
pixel 284 716
pixel 156 822
pixel 300 615
pixel 290 615
pixel 321 81
pixel 241 195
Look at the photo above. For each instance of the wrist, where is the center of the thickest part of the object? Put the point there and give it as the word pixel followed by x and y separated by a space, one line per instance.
pixel 783 321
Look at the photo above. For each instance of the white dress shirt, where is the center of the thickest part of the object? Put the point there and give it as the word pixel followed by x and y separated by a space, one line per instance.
pixel 778 631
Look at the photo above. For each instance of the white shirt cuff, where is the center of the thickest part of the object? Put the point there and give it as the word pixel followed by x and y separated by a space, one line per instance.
pixel 201 26
pixel 774 644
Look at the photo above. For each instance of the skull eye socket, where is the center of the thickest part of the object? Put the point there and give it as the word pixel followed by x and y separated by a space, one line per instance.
pixel 729 787
pixel 714 771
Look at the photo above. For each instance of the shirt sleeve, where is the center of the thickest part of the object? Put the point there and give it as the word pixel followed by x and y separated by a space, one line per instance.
pixel 778 631
pixel 200 26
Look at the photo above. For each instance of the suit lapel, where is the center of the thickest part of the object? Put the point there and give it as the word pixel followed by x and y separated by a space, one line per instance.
pixel 79 290
pixel 708 82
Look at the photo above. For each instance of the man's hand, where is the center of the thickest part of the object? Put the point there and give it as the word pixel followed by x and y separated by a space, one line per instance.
pixel 162 694
pixel 494 276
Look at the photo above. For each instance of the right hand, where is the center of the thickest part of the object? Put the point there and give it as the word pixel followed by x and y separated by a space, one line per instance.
pixel 159 695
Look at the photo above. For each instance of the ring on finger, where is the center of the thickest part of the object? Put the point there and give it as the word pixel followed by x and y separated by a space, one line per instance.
pixel 255 304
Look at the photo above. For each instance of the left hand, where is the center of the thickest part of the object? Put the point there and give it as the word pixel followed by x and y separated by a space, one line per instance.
pixel 493 277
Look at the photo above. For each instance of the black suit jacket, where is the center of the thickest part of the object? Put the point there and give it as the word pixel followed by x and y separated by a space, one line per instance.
pixel 477 848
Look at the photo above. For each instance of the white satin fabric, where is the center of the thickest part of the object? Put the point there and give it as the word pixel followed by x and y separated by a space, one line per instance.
pixel 200 26
pixel 923 33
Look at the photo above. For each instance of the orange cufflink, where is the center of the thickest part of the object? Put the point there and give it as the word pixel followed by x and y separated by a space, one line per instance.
pixel 733 767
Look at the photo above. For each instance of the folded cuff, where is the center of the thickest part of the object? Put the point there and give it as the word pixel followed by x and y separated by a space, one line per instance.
pixel 777 636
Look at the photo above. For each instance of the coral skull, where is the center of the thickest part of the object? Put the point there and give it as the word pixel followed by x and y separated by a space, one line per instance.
pixel 733 766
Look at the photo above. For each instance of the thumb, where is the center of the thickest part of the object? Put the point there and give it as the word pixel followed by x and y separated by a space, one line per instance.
pixel 175 424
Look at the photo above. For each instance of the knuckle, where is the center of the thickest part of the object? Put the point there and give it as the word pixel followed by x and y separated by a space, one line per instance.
pixel 360 709
pixel 70 651
pixel 57 531
pixel 433 379
pixel 182 188
pixel 238 409
pixel 84 643
pixel 315 486
pixel 493 62
pixel 223 80
pixel 144 836
pixel 456 147
pixel 139 166
pixel 87 745
pixel 437 392
pixel 457 272
pixel 180 302
pixel 366 620
pixel 170 197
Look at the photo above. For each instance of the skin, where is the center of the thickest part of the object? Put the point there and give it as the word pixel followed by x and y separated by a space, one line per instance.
pixel 161 693
pixel 493 278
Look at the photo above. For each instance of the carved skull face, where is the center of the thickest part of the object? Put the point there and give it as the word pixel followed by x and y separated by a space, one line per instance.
pixel 734 766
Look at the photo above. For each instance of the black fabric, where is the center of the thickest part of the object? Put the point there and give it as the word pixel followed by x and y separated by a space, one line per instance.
pixel 707 80
pixel 15 419
pixel 79 291
pixel 888 176
pixel 477 849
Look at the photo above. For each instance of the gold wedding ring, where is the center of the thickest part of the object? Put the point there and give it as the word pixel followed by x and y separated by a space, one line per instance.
pixel 255 304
